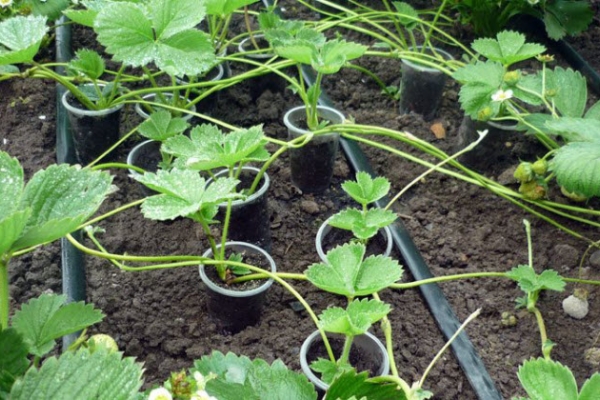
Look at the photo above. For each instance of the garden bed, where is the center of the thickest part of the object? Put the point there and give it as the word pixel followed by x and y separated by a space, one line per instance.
pixel 160 316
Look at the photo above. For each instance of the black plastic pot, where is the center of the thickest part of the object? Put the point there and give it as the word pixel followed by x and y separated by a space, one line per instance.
pixel 491 150
pixel 325 229
pixel 312 164
pixel 421 87
pixel 234 310
pixel 368 348
pixel 249 221
pixel 145 155
pixel 93 131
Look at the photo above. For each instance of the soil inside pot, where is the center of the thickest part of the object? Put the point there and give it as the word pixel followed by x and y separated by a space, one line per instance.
pixel 337 237
pixel 250 258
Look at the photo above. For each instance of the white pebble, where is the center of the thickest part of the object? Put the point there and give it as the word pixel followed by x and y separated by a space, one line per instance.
pixel 575 307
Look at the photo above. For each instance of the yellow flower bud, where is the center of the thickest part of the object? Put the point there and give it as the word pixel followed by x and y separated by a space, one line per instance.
pixel 512 77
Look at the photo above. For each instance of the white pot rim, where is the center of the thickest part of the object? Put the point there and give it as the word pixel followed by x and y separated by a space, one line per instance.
pixel 257 193
pixel 84 111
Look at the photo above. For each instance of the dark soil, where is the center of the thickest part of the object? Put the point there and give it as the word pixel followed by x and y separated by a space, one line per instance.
pixel 161 316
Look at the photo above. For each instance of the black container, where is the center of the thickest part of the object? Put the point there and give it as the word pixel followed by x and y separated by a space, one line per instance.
pixel 234 310
pixel 312 164
pixel 249 221
pixel 93 131
pixel 146 155
pixel 422 87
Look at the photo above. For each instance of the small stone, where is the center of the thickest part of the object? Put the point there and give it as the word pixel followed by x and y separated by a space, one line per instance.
pixel 310 207
pixel 507 177
pixel 592 356
pixel 595 259
pixel 575 307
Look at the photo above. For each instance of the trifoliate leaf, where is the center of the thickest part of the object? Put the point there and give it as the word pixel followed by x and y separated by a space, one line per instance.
pixel 531 282
pixel 61 198
pixel 571 91
pixel 159 31
pixel 350 384
pixel 508 48
pixel 332 56
pixel 347 274
pixel 576 166
pixel 567 17
pixel 366 190
pixel 480 81
pixel 161 125
pixel 406 15
pixel 546 379
pixel 238 377
pixel 575 129
pixel 356 319
pixel 81 375
pixel 208 147
pixel 20 38
pixel 183 193
pixel 43 320
pixel 87 63
pixel 13 358
pixel 362 226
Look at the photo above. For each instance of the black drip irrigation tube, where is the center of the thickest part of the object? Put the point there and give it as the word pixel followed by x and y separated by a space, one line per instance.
pixel 73 264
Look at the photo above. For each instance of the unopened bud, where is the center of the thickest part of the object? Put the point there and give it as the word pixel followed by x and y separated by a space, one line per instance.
pixel 524 172
pixel 540 167
pixel 512 77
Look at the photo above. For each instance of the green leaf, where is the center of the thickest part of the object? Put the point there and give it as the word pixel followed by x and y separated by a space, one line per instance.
pixel 529 83
pixel 225 7
pixel 81 375
pixel 356 319
pixel 575 129
pixel 241 378
pixel 49 8
pixel 509 48
pixel 208 147
pixel 11 184
pixel 332 56
pixel 11 228
pixel 366 190
pixel 328 369
pixel 20 38
pixel 576 166
pixel 87 63
pixel 347 274
pixel 46 318
pixel 407 15
pixel 162 125
pixel 159 31
pixel 479 82
pixel 182 193
pixel 567 17
pixel 531 282
pixel 594 111
pixel 351 384
pixel 346 219
pixel 362 226
pixel 591 388
pixel 546 379
pixel 571 91
pixel 13 358
pixel 81 17
pixel 61 198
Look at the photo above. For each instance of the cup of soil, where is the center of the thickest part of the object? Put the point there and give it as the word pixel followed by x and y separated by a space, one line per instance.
pixel 492 151
pixel 329 237
pixel 421 87
pixel 259 84
pixel 249 221
pixel 312 164
pixel 367 354
pixel 93 131
pixel 143 112
pixel 234 307
pixel 145 155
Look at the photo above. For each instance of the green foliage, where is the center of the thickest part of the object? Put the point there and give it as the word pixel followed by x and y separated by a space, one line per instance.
pixel 242 378
pixel 161 125
pixel 225 7
pixel 13 359
pixel 567 17
pixel 544 379
pixel 48 8
pixel 351 384
pixel 529 281
pixel 408 15
pixel 208 147
pixel 20 38
pixel 508 48
pixel 44 319
pixel 54 202
pixel 183 193
pixel 81 375
pixel 366 190
pixel 479 82
pixel 356 319
pixel 576 166
pixel 87 63
pixel 347 274
pixel 364 225
pixel 570 89
pixel 159 31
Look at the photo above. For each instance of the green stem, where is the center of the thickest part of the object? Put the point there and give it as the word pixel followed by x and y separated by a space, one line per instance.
pixel 543 335
pixel 4 293
pixel 345 356
pixel 446 278
pixel 118 165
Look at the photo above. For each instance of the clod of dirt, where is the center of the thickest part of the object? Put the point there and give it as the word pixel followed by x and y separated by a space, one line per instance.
pixel 310 207
pixel 592 356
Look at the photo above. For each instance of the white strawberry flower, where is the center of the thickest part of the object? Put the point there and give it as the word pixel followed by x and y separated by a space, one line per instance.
pixel 160 393
pixel 202 395
pixel 5 3
pixel 502 95
pixel 533 2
